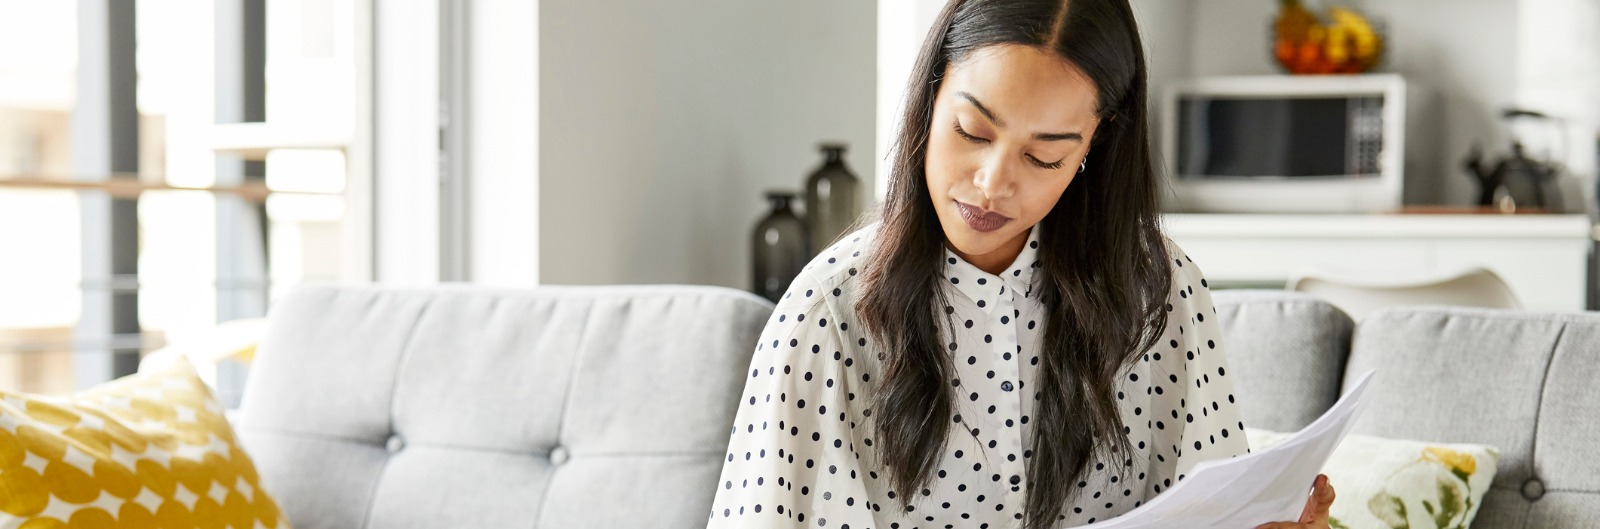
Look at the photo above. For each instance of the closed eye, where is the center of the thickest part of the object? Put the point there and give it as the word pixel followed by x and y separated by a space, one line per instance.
pixel 969 137
pixel 974 139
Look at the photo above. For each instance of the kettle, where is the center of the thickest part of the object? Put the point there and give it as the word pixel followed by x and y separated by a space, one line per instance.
pixel 1517 181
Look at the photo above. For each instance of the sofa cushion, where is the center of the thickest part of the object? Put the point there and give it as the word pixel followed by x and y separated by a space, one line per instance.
pixel 1288 349
pixel 1519 380
pixel 461 406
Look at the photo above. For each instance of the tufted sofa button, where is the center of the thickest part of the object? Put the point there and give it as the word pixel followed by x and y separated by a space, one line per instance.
pixel 1533 489
pixel 559 456
pixel 395 443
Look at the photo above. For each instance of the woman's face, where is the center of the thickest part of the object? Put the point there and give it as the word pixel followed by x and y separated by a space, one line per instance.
pixel 1010 125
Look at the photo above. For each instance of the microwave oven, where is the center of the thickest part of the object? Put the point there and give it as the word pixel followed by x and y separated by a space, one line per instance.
pixel 1288 144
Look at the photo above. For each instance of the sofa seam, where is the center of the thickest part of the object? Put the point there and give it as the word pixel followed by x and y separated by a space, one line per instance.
pixel 462 447
pixel 572 377
pixel 1473 313
pixel 394 398
pixel 567 292
pixel 285 432
pixel 621 455
pixel 1538 410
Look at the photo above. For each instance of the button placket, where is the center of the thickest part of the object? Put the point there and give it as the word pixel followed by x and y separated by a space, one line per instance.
pixel 998 298
pixel 1007 359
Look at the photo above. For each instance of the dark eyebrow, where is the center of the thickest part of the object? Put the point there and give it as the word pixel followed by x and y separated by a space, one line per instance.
pixel 1041 136
pixel 985 110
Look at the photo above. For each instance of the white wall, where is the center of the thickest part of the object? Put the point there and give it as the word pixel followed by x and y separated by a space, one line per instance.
pixel 661 124
pixel 1166 29
pixel 902 26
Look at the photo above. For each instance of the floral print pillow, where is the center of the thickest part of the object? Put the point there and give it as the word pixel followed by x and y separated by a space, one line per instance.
pixel 1400 484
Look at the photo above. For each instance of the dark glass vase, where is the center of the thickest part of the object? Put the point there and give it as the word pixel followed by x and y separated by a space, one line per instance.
pixel 779 247
pixel 833 198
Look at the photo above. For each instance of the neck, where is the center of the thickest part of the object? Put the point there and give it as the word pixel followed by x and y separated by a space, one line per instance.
pixel 995 261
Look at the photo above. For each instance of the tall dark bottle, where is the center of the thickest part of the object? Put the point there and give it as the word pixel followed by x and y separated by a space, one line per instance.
pixel 779 247
pixel 833 198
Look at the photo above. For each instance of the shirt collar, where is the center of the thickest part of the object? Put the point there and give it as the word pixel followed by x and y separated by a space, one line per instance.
pixel 986 289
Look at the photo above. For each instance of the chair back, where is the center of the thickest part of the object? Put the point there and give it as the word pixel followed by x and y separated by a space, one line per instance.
pixel 1360 294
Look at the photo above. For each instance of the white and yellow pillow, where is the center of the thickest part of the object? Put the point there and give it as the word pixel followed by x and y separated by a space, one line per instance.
pixel 1388 483
pixel 147 450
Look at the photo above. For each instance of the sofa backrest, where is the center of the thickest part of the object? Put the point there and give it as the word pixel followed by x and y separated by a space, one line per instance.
pixel 1525 382
pixel 1522 381
pixel 458 406
pixel 1288 350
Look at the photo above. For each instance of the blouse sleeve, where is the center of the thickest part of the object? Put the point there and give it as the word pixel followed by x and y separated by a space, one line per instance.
pixel 791 453
pixel 1200 393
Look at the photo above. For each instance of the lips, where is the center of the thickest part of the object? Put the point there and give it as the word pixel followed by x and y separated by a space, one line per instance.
pixel 980 220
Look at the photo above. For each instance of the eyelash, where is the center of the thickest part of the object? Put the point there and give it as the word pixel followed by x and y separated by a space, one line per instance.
pixel 975 139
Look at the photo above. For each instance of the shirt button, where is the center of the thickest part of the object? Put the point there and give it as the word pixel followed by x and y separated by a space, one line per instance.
pixel 1005 386
pixel 1015 479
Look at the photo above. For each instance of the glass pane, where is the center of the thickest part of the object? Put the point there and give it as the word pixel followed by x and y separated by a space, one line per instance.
pixel 177 263
pixel 306 170
pixel 310 63
pixel 177 104
pixel 305 239
pixel 1291 137
pixel 45 371
pixel 37 88
pixel 40 301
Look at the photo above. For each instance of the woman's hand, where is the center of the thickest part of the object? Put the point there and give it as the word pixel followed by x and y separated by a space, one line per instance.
pixel 1315 515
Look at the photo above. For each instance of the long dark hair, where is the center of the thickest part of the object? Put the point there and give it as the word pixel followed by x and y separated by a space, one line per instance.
pixel 1105 268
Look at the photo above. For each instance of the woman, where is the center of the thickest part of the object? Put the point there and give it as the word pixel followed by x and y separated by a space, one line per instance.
pixel 1014 343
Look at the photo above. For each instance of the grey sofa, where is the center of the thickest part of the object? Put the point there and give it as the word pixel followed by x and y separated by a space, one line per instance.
pixel 601 407
pixel 467 407
pixel 1522 381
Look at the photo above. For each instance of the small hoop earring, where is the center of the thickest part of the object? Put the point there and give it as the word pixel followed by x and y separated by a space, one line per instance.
pixel 1083 164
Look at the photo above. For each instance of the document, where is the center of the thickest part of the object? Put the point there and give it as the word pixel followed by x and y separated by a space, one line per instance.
pixel 1265 485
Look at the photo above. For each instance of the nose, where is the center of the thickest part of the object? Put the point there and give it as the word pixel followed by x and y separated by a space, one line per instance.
pixel 995 177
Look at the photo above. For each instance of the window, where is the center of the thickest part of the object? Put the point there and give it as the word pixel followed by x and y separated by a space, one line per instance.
pixel 128 223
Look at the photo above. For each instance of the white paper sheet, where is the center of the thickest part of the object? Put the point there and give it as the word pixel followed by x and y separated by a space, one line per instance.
pixel 1267 485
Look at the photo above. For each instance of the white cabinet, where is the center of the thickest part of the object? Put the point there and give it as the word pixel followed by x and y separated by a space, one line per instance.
pixel 1543 257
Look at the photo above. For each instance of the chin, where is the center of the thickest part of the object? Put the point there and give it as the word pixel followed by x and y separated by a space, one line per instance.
pixel 972 242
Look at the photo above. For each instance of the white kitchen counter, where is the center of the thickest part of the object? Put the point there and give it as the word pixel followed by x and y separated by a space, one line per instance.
pixel 1543 257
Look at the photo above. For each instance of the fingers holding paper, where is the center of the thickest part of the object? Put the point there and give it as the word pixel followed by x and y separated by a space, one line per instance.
pixel 1315 514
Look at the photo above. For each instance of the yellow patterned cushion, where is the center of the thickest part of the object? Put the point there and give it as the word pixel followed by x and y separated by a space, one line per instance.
pixel 147 450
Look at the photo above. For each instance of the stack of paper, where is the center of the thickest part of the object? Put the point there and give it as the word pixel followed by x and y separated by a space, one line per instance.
pixel 1242 492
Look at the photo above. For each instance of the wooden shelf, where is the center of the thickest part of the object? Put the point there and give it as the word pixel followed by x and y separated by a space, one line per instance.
pixel 130 187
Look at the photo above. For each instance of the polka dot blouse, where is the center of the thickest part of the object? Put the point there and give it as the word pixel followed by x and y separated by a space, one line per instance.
pixel 801 453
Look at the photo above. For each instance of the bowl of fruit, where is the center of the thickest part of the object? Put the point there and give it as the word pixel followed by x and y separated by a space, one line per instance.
pixel 1343 42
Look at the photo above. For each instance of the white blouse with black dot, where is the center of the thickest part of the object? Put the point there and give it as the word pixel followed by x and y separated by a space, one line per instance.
pixel 801 451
